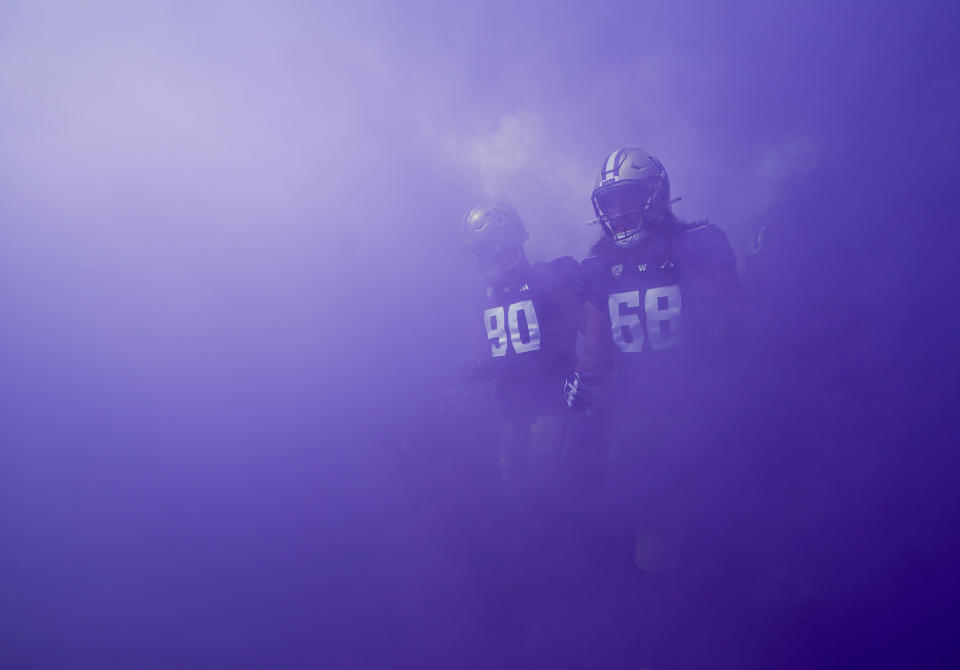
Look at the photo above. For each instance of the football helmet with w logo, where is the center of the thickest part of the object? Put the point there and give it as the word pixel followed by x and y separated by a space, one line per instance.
pixel 631 196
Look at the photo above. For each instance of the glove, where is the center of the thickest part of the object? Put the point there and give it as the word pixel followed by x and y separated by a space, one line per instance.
pixel 579 390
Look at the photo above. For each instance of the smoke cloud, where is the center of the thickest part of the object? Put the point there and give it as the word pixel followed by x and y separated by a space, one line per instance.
pixel 231 291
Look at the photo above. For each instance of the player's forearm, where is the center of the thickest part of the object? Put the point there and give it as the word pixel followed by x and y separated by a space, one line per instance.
pixel 596 356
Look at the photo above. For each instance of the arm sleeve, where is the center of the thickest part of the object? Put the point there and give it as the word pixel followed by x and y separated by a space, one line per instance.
pixel 570 291
pixel 596 357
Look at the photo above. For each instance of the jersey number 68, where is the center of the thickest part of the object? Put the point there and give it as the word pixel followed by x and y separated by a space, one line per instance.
pixel 663 324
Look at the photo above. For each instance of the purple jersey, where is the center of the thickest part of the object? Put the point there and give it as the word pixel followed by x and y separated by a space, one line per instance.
pixel 529 326
pixel 654 310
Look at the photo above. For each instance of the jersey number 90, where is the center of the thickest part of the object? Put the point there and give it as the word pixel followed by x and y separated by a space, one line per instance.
pixel 497 326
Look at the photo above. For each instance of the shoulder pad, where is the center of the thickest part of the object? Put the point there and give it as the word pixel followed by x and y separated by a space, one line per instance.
pixel 591 263
pixel 592 273
pixel 559 271
pixel 592 266
pixel 603 248
pixel 706 246
pixel 563 266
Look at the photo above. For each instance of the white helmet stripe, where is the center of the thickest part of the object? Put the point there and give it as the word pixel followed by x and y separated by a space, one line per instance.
pixel 611 165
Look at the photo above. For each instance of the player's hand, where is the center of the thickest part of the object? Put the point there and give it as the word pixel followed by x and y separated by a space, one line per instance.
pixel 579 390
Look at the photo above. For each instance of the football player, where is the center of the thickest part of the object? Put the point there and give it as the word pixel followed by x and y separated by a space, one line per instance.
pixel 527 317
pixel 660 296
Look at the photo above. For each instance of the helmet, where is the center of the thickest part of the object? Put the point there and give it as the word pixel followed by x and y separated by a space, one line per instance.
pixel 493 237
pixel 631 196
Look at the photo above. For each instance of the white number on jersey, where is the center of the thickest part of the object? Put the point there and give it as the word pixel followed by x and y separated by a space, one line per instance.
pixel 524 307
pixel 627 330
pixel 664 324
pixel 496 325
pixel 496 329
